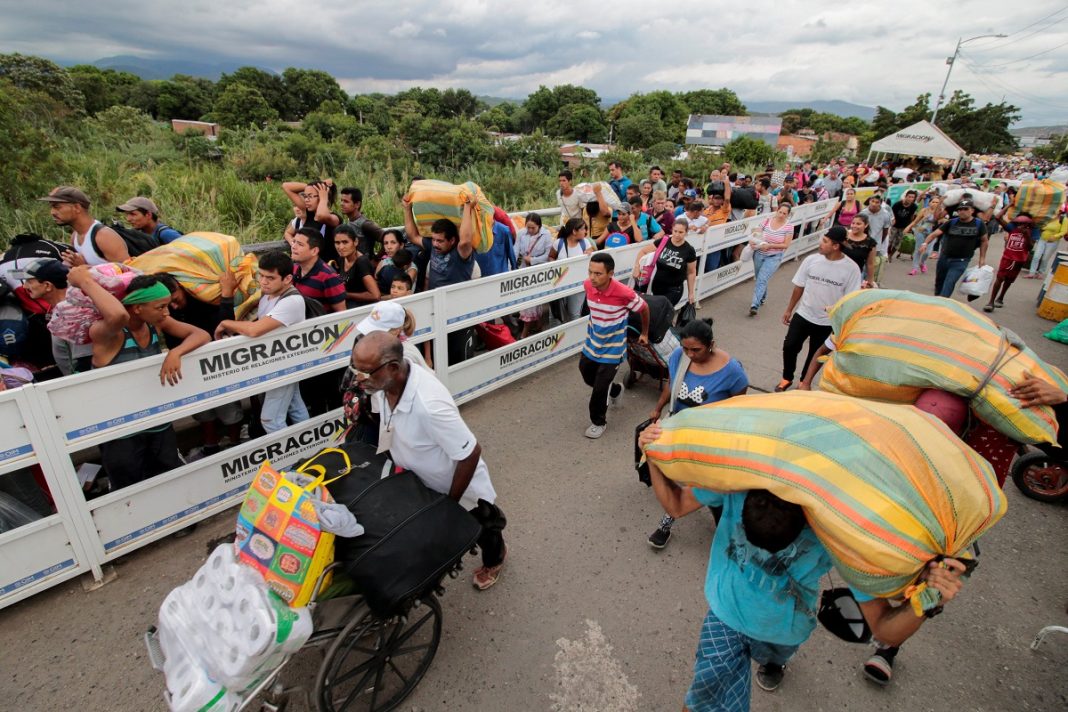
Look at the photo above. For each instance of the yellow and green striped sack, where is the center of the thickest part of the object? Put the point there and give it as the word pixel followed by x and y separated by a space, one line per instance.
pixel 1041 199
pixel 436 199
pixel 885 487
pixel 891 345
pixel 196 260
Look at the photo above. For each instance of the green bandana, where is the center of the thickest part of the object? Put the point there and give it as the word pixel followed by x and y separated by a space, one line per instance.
pixel 147 294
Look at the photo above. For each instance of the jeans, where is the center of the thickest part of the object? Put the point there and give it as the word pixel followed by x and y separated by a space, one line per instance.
pixel 764 267
pixel 800 330
pixel 919 258
pixel 280 402
pixel 571 307
pixel 598 376
pixel 948 273
pixel 1044 252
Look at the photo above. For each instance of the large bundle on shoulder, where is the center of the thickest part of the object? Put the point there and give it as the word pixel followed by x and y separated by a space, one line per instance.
pixel 891 345
pixel 72 317
pixel 886 488
pixel 983 201
pixel 1039 198
pixel 197 260
pixel 436 199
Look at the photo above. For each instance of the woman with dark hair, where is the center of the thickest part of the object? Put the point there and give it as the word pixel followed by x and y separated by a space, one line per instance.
pixel 847 208
pixel 571 241
pixel 776 234
pixel 532 248
pixel 354 268
pixel 698 374
pixel 312 202
pixel 859 246
pixel 396 259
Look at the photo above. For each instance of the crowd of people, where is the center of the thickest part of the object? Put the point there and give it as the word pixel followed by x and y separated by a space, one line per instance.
pixel 335 261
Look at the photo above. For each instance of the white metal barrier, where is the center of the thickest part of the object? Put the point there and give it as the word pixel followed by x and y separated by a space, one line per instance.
pixel 47 423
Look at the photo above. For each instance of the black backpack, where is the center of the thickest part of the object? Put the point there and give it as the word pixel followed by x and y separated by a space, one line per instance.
pixel 137 242
pixel 744 199
pixel 312 307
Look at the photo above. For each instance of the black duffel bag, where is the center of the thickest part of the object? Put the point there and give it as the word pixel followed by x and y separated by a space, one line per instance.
pixel 412 535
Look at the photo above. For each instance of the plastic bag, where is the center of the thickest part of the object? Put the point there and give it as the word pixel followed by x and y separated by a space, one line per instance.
pixel 747 253
pixel 687 314
pixel 1059 332
pixel 976 281
pixel 14 514
pixel 223 631
pixel 73 317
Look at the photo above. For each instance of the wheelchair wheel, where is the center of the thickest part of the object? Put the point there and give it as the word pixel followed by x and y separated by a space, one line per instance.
pixel 375 663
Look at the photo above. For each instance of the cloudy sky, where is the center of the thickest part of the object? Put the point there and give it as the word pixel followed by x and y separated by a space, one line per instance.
pixel 864 52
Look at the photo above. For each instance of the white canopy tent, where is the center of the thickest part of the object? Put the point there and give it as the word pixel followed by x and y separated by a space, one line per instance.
pixel 921 139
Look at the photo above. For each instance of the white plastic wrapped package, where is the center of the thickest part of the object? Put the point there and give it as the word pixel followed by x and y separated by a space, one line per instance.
pixel 222 632
pixel 976 281
pixel 586 194
pixel 667 345
pixel 983 201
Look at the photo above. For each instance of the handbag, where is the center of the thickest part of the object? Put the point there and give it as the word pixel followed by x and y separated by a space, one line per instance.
pixel 648 271
pixel 840 614
pixel 687 314
pixel 279 533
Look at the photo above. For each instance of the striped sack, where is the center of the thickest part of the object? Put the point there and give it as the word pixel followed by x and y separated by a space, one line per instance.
pixel 891 345
pixel 1041 198
pixel 436 199
pixel 196 260
pixel 885 487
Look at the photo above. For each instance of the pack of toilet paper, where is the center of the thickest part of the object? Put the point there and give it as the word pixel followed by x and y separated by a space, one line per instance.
pixel 222 632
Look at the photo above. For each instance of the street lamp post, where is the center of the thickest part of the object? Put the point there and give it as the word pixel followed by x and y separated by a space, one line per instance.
pixel 951 61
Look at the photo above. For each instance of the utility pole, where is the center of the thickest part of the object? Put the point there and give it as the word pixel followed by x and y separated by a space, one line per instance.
pixel 951 61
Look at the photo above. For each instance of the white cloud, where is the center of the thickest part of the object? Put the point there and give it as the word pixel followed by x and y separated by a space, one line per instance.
pixel 791 51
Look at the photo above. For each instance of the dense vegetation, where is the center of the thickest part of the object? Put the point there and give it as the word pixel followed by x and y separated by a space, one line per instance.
pixel 105 132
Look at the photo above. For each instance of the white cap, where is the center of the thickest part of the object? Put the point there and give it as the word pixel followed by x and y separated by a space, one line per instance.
pixel 385 316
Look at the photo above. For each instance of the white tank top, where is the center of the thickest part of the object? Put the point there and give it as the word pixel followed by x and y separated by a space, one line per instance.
pixel 85 246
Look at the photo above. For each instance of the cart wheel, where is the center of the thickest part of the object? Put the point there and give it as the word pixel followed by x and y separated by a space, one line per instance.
pixel 375 663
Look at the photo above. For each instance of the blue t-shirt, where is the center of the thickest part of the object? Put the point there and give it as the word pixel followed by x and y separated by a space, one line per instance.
pixel 698 389
pixel 620 186
pixel 165 234
pixel 768 597
pixel 649 225
pixel 501 257
pixel 448 268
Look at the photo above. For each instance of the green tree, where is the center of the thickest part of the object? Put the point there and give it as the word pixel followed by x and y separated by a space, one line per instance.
pixel 241 105
pixel 979 130
pixel 308 88
pixel 640 131
pixel 744 150
pixel 269 85
pixel 336 125
pixel 723 102
pixel 184 97
pixel 1057 150
pixel 32 159
pixel 663 107
pixel 460 103
pixel 884 122
pixel 542 105
pixel 580 122
pixel 371 110
pixel 498 118
pixel 43 76
pixel 824 151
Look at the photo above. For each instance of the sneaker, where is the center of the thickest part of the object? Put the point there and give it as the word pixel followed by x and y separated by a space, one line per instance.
pixel 595 431
pixel 769 676
pixel 660 538
pixel 988 308
pixel 615 394
pixel 999 304
pixel 199 453
pixel 880 667
pixel 923 269
pixel 752 311
pixel 783 385
pixel 912 273
pixel 486 576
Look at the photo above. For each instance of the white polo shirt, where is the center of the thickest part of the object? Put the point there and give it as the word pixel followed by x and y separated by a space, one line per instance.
pixel 428 436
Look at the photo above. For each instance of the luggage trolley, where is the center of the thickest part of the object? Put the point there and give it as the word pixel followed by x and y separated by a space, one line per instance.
pixel 650 359
pixel 376 650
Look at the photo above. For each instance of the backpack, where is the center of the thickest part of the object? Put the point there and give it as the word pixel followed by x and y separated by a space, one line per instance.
pixel 744 199
pixel 312 307
pixel 137 242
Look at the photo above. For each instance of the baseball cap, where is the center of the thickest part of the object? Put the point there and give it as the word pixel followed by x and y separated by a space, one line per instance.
pixel 743 176
pixel 689 193
pixel 836 233
pixel 67 194
pixel 138 203
pixel 965 204
pixel 385 316
pixel 44 270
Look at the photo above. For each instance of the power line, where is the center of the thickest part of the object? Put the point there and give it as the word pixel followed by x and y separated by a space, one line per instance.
pixel 1022 59
pixel 1001 86
pixel 1003 40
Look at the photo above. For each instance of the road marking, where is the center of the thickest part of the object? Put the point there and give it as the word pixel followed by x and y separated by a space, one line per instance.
pixel 588 678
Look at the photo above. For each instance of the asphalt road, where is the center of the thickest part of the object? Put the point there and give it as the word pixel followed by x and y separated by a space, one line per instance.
pixel 586 616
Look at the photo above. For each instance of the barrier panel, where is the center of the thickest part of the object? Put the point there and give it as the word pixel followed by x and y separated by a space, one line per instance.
pixel 51 422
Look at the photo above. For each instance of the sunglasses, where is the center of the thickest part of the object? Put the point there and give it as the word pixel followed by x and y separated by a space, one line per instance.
pixel 363 375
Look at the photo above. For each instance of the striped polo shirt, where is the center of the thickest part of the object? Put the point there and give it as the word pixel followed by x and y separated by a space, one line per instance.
pixel 606 335
pixel 321 283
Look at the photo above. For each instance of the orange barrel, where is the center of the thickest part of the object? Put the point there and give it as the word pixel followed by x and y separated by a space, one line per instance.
pixel 1054 304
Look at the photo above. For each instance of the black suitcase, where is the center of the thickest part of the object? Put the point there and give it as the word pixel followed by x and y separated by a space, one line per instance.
pixel 412 535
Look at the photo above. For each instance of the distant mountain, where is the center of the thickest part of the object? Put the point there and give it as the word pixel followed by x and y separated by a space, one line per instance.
pixel 1040 131
pixel 492 101
pixel 166 68
pixel 839 108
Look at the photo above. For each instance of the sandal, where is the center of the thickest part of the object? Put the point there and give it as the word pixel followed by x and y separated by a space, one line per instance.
pixel 486 576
